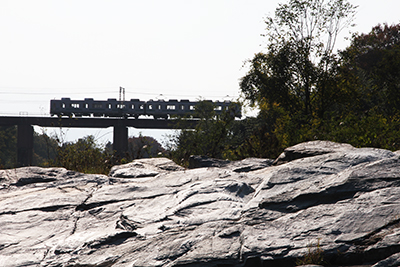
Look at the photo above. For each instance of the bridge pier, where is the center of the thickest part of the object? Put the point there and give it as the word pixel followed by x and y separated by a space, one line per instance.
pixel 120 140
pixel 24 145
pixel 25 130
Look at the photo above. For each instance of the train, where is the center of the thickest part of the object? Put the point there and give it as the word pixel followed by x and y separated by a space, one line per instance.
pixel 158 109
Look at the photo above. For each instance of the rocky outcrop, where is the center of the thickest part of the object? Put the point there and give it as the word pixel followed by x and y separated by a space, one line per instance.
pixel 246 165
pixel 310 149
pixel 345 201
pixel 196 161
pixel 144 168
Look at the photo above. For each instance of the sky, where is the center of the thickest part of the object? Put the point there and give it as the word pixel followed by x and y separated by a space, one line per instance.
pixel 155 49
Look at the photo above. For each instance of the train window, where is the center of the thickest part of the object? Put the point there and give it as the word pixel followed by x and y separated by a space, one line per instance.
pixel 218 108
pixel 97 106
pixel 191 107
pixel 132 106
pixel 141 106
pixel 159 107
pixel 171 107
pixel 63 105
pixel 86 105
pixel 109 106
pixel 74 105
pixel 120 106
pixel 150 106
pixel 182 107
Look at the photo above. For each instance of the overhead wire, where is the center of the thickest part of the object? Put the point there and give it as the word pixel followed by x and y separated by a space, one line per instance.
pixel 107 92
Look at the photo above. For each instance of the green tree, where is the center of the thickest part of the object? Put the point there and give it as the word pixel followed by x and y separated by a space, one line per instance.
pixel 44 149
pixel 301 37
pixel 139 147
pixel 372 62
pixel 295 81
pixel 209 137
pixel 254 137
pixel 85 155
pixel 363 102
pixel 365 109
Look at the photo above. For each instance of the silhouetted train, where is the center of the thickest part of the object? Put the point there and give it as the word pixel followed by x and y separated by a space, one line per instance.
pixel 134 108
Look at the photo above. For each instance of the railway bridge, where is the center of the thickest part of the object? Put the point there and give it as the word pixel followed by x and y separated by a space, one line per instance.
pixel 120 125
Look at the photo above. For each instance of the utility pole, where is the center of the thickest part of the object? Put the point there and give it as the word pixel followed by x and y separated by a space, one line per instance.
pixel 121 105
pixel 120 140
pixel 121 94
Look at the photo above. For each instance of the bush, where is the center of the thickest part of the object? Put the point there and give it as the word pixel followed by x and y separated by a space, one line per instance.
pixel 84 156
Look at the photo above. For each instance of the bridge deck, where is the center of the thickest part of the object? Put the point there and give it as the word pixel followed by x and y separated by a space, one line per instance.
pixel 85 122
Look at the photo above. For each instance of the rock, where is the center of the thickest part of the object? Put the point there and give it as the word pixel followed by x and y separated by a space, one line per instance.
pixel 245 165
pixel 344 203
pixel 392 261
pixel 148 167
pixel 249 164
pixel 204 161
pixel 310 149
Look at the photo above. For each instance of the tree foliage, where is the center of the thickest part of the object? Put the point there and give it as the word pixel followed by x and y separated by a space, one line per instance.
pixel 209 137
pixel 297 76
pixel 44 149
pixel 85 155
pixel 139 147
pixel 372 63
pixel 301 37
pixel 352 96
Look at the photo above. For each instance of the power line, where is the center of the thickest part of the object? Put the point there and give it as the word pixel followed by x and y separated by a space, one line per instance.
pixel 52 93
pixel 99 93
pixel 88 91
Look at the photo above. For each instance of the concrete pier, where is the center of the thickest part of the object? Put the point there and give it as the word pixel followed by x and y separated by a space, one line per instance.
pixel 24 145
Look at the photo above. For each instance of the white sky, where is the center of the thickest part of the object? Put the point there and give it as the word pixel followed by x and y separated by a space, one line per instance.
pixel 182 49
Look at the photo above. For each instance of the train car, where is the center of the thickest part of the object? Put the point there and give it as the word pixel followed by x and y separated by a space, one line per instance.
pixel 115 108
pixel 164 109
pixel 89 107
pixel 134 108
pixel 56 107
pixel 67 107
pixel 156 108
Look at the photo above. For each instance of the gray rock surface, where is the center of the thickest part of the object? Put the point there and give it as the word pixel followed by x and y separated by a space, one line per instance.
pixel 249 164
pixel 151 212
pixel 310 149
pixel 246 165
pixel 148 167
pixel 196 161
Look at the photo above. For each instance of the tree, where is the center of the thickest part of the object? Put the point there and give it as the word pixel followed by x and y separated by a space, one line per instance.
pixel 139 147
pixel 294 83
pixel 85 155
pixel 252 137
pixel 44 149
pixel 301 37
pixel 208 138
pixel 372 61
